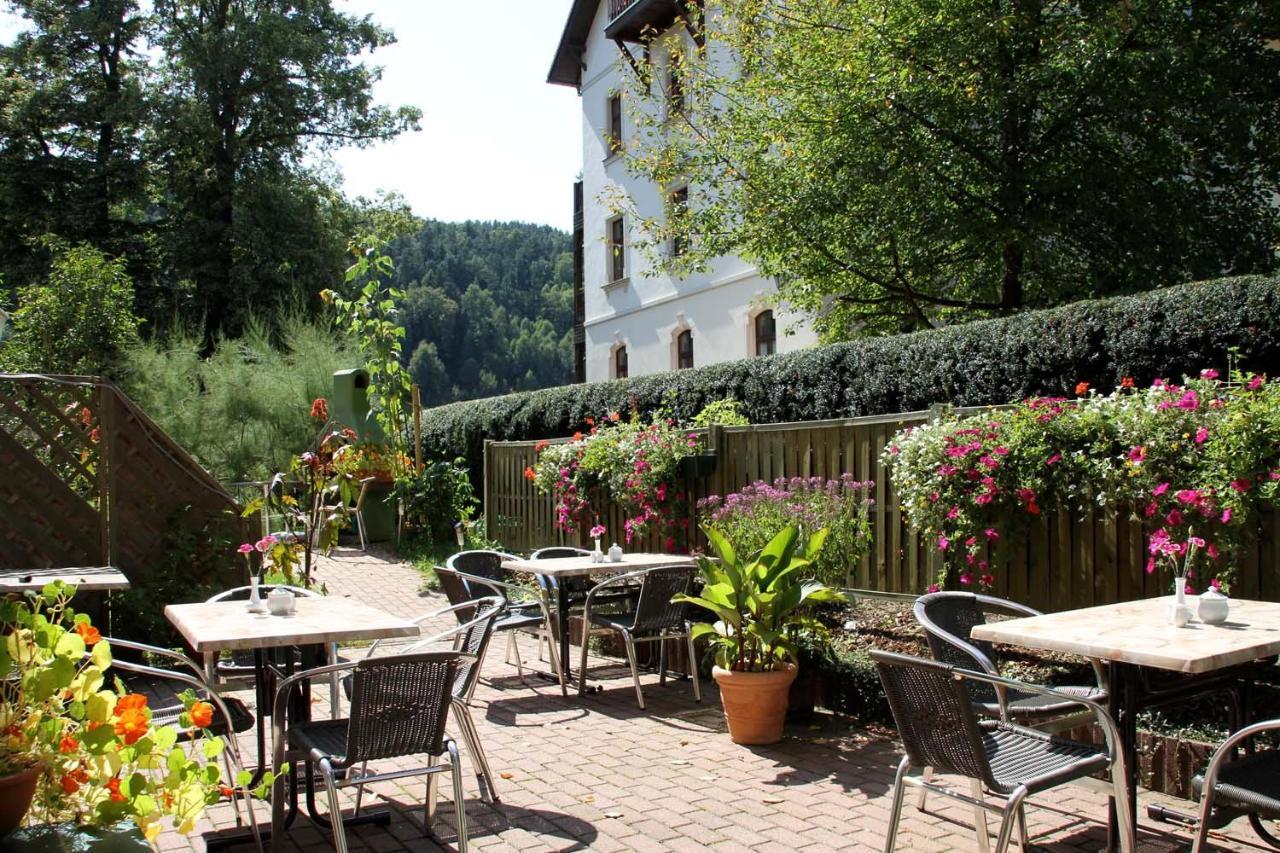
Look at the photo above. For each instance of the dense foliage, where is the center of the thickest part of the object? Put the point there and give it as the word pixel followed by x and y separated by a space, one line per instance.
pixel 1191 461
pixel 902 165
pixel 488 308
pixel 1168 332
pixel 244 411
pixel 78 321
pixel 754 514
pixel 176 135
pixel 437 498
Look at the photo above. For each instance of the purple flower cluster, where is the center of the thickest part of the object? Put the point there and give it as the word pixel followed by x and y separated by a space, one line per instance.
pixel 807 500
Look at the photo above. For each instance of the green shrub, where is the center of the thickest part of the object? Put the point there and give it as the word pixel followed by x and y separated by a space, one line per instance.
pixel 1165 332
pixel 245 411
pixel 436 498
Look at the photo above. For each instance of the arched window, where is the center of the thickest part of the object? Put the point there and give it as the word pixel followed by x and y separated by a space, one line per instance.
pixel 620 363
pixel 766 334
pixel 684 350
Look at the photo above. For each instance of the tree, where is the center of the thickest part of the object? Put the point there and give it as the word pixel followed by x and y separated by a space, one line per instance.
pixel 901 165
pixel 79 321
pixel 250 87
pixel 72 113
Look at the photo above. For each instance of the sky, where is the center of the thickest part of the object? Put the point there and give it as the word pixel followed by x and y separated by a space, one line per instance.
pixel 497 141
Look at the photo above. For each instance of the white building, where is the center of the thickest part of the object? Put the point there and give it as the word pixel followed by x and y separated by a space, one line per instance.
pixel 631 321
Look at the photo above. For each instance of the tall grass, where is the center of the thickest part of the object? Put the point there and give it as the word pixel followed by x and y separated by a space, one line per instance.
pixel 246 409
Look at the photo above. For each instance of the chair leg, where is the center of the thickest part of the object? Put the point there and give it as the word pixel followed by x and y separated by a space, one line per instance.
pixel 479 761
pixel 1012 809
pixel 459 797
pixel 895 809
pixel 979 817
pixel 364 767
pixel 635 669
pixel 335 810
pixel 1124 815
pixel 429 804
pixel 335 685
pixel 360 528
pixel 1201 840
pixel 582 662
pixel 1024 843
pixel 693 665
pixel 662 658
pixel 921 798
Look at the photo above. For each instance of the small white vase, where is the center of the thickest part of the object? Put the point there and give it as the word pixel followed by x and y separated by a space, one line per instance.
pixel 597 556
pixel 1214 607
pixel 255 604
pixel 1179 614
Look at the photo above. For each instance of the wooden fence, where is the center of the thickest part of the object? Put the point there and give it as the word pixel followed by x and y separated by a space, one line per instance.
pixel 90 480
pixel 1061 562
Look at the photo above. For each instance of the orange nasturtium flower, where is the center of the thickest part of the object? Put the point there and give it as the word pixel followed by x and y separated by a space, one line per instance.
pixel 1081 388
pixel 88 633
pixel 131 717
pixel 529 473
pixel 114 787
pixel 201 714
pixel 68 744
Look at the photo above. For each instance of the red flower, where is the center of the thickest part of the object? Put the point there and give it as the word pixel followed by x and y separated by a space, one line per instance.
pixel 68 744
pixel 88 633
pixel 201 714
pixel 320 409
pixel 1127 382
pixel 131 717
pixel 577 436
pixel 114 787
pixel 541 446
pixel 529 473
pixel 1082 388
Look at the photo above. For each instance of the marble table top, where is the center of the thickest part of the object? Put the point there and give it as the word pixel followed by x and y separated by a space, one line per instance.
pixel 565 567
pixel 85 579
pixel 214 626
pixel 1137 632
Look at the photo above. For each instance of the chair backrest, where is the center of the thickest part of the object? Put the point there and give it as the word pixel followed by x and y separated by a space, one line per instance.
pixel 948 619
pixel 557 552
pixel 241 593
pixel 400 705
pixel 473 641
pixel 654 608
pixel 482 564
pixel 934 715
pixel 455 589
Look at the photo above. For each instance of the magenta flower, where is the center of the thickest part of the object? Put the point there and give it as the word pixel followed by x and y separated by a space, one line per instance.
pixel 991 533
pixel 1216 584
pixel 264 544
pixel 1226 515
pixel 933 587
pixel 246 548
pixel 947 470
pixel 1196 541
pixel 966 578
pixel 1201 435
pixel 1151 564
pixel 1137 454
pixel 1240 486
pixel 1190 400
pixel 943 542
pixel 1160 489
pixel 1255 383
pixel 1187 496
pixel 1210 373
pixel 953 513
pixel 597 531
pixel 1054 459
pixel 1174 518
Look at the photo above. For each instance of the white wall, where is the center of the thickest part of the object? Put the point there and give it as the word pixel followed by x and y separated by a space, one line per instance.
pixel 645 311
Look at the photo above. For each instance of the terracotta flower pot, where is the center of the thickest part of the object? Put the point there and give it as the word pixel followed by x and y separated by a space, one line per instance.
pixel 755 703
pixel 16 792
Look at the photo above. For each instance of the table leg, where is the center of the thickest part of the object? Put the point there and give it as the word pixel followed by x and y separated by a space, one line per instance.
pixel 562 627
pixel 1122 689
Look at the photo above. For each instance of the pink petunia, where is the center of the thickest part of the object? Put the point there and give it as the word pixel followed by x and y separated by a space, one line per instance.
pixel 1226 515
pixel 1255 383
pixel 1160 489
pixel 1137 454
pixel 246 548
pixel 953 513
pixel 933 587
pixel 1212 551
pixel 1174 518
pixel 1209 373
pixel 1201 435
pixel 1187 496
pixel 1239 486
pixel 1054 459
pixel 966 578
pixel 1151 564
pixel 943 542
pixel 991 533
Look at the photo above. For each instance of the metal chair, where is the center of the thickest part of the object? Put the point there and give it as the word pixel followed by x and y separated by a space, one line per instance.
pixel 1232 787
pixel 940 728
pixel 948 619
pixel 240 666
pixel 471 637
pixel 654 617
pixel 575 588
pixel 526 610
pixel 232 718
pixel 399 707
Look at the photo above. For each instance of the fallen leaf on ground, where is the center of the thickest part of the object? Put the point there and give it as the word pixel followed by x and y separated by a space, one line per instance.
pixel 772 800
pixel 506 775
pixel 613 814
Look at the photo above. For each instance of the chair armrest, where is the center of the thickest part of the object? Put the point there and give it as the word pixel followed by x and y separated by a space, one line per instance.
pixel 1222 752
pixel 495 601
pixel 616 580
pixel 498 587
pixel 159 652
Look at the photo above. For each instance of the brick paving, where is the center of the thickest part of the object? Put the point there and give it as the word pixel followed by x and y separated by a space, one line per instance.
pixel 597 773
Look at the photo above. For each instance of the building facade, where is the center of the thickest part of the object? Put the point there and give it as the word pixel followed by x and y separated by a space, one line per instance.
pixel 633 319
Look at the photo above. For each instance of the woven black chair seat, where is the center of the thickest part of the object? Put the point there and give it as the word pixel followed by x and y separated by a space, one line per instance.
pixel 1035 759
pixel 1249 784
pixel 242 719
pixel 1034 706
pixel 328 736
pixel 623 619
pixel 519 617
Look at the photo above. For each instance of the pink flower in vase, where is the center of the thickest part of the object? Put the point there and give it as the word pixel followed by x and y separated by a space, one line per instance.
pixel 246 548
pixel 597 532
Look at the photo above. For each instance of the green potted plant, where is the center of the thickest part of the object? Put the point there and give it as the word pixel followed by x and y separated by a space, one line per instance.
pixel 758 602
pixel 73 749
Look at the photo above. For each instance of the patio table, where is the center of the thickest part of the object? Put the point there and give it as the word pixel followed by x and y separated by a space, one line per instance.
pixel 212 627
pixel 85 579
pixel 1135 639
pixel 577 567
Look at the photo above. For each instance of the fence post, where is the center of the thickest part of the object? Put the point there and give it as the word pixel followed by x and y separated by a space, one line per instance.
pixel 487 492
pixel 106 472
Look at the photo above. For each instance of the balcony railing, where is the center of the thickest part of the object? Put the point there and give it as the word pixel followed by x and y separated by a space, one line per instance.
pixel 617 7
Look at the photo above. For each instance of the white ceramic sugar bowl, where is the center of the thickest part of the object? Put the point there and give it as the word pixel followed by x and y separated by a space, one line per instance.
pixel 1213 607
pixel 281 602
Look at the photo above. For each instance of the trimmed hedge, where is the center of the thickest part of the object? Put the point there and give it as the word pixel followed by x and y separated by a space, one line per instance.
pixel 1167 332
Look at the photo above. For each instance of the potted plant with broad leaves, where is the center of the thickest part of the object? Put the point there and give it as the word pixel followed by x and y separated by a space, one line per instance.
pixel 77 752
pixel 759 602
